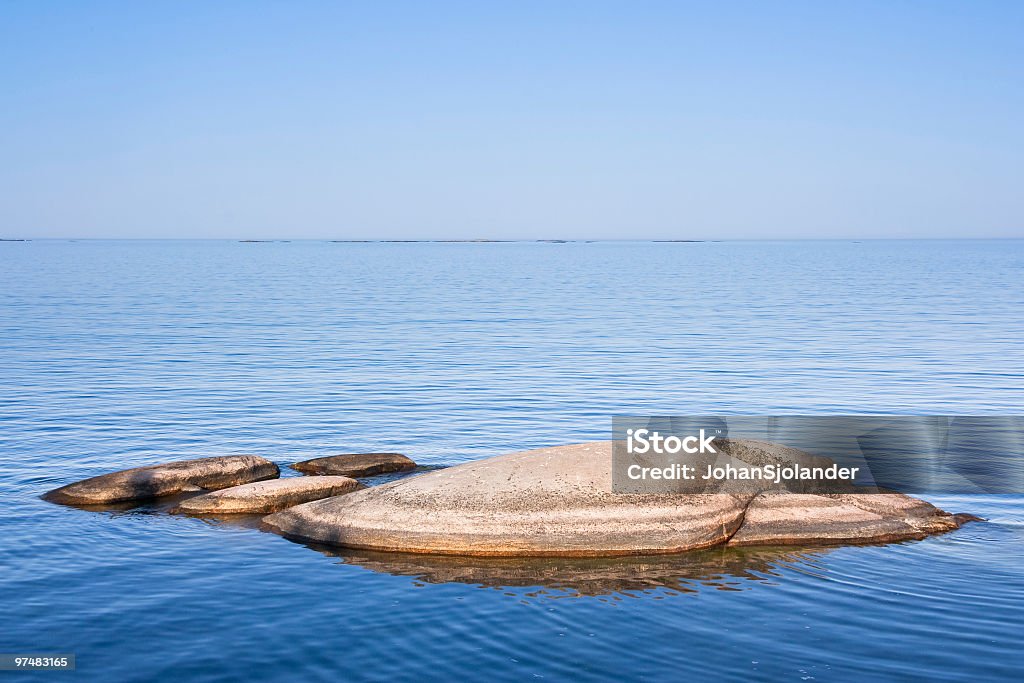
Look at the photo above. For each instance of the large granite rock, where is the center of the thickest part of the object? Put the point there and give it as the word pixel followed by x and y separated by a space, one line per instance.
pixel 267 496
pixel 154 481
pixel 356 464
pixel 554 501
pixel 559 502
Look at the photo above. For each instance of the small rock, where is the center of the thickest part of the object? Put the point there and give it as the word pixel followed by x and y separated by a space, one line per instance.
pixel 268 496
pixel 776 518
pixel 143 483
pixel 964 517
pixel 356 464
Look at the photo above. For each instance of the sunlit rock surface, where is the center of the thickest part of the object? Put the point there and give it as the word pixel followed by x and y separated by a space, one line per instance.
pixel 154 481
pixel 559 502
pixel 356 464
pixel 267 496
pixel 775 518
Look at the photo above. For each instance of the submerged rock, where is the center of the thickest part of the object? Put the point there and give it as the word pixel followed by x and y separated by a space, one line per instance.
pixel 268 496
pixel 356 464
pixel 559 502
pixel 154 481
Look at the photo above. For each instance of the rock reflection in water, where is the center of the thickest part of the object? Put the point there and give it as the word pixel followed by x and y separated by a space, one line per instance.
pixel 719 568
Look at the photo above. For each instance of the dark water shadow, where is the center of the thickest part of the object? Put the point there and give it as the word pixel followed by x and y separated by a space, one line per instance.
pixel 718 568
pixel 150 506
pixel 162 507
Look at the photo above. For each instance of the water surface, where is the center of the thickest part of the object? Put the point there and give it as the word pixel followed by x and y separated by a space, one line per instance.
pixel 117 354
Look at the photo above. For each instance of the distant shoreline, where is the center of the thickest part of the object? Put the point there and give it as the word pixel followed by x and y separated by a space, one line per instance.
pixel 855 240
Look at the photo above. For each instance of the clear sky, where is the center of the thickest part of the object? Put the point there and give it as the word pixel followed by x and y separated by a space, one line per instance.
pixel 583 119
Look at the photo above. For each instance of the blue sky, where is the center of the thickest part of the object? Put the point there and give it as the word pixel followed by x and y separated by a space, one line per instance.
pixel 511 120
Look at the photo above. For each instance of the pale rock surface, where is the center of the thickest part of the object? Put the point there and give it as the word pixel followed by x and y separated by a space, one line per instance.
pixel 154 481
pixel 559 502
pixel 267 496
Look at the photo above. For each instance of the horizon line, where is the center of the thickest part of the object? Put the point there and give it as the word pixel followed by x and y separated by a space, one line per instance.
pixel 485 240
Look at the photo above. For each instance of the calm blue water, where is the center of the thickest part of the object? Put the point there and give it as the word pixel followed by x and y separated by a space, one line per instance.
pixel 117 354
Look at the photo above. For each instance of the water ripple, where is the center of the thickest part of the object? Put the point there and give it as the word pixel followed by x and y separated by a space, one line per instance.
pixel 117 354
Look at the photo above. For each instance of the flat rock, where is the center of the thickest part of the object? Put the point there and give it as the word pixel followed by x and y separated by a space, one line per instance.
pixel 559 502
pixel 554 501
pixel 267 496
pixel 775 518
pixel 154 481
pixel 356 464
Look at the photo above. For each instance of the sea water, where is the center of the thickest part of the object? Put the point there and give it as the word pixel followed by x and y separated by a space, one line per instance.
pixel 116 354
